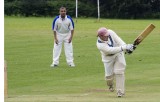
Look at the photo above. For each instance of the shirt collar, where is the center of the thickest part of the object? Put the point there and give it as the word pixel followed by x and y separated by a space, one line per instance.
pixel 102 40
pixel 61 18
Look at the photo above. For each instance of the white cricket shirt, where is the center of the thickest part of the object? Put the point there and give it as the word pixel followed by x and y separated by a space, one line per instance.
pixel 63 26
pixel 110 48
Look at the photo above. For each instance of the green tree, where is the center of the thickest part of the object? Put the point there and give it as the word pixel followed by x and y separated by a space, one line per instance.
pixel 86 8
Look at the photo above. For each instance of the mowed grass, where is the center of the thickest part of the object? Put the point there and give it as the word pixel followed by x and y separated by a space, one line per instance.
pixel 28 52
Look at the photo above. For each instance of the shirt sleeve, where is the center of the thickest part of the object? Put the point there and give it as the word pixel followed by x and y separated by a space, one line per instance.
pixel 54 24
pixel 71 27
pixel 109 50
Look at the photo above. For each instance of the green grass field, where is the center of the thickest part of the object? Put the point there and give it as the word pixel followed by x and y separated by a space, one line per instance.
pixel 28 52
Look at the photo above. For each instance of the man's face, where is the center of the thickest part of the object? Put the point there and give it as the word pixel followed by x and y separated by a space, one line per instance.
pixel 62 12
pixel 104 38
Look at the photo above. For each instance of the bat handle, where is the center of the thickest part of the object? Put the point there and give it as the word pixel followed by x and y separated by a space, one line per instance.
pixel 134 46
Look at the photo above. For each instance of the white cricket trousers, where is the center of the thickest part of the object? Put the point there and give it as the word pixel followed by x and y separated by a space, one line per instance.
pixel 116 67
pixel 63 38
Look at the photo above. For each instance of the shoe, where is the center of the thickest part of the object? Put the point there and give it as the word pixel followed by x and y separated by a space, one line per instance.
pixel 111 88
pixel 72 65
pixel 119 93
pixel 53 65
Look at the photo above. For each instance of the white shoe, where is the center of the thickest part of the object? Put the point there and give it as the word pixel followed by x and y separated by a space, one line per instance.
pixel 53 65
pixel 72 65
pixel 119 93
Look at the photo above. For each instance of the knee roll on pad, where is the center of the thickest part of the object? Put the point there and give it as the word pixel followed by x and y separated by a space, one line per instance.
pixel 119 72
pixel 109 77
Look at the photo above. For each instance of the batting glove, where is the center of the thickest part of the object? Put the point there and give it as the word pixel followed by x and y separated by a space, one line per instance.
pixel 130 51
pixel 127 47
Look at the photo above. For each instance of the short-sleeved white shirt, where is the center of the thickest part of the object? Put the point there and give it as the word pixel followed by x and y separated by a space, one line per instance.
pixel 63 26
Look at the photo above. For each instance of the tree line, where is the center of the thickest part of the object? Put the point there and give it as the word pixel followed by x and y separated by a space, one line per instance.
pixel 130 9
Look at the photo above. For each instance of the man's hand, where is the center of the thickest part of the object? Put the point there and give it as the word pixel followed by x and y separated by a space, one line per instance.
pixel 130 51
pixel 56 41
pixel 129 47
pixel 70 40
pixel 55 37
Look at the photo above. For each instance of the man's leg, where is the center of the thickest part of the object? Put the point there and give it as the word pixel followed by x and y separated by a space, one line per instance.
pixel 119 69
pixel 120 84
pixel 110 82
pixel 109 76
pixel 69 52
pixel 57 51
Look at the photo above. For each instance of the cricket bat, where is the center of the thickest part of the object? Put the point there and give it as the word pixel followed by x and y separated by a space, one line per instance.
pixel 142 36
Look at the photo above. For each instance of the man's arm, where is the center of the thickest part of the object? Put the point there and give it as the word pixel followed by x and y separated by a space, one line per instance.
pixel 109 50
pixel 70 39
pixel 72 30
pixel 54 27
pixel 55 37
pixel 113 50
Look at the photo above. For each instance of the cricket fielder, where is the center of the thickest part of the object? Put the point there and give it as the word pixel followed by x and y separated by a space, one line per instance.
pixel 63 29
pixel 112 49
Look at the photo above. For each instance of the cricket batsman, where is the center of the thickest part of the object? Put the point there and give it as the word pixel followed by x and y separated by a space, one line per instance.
pixel 112 49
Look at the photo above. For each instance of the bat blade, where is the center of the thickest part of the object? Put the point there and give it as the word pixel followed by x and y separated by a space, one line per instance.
pixel 141 37
pixel 144 34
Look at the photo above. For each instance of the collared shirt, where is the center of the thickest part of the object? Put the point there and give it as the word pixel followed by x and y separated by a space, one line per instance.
pixel 110 48
pixel 63 26
pixel 109 42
